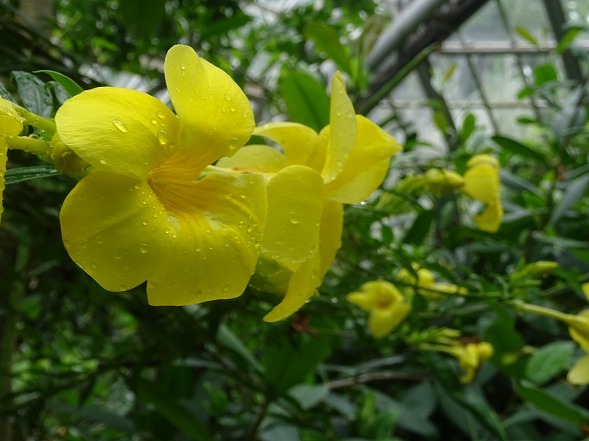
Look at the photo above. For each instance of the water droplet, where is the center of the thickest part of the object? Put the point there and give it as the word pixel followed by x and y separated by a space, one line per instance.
pixel 136 187
pixel 228 97
pixel 167 231
pixel 228 196
pixel 144 223
pixel 93 265
pixel 233 109
pixel 120 125
pixel 294 218
pixel 154 121
pixel 160 114
pixel 162 137
pixel 226 288
pixel 143 248
pixel 118 255
pixel 103 161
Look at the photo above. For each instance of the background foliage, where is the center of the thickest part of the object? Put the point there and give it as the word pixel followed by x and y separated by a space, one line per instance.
pixel 79 363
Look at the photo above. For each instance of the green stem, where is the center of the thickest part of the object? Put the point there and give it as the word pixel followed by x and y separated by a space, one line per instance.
pixel 30 145
pixel 35 120
pixel 541 310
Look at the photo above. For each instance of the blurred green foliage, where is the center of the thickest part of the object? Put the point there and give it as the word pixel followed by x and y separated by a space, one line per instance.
pixel 79 363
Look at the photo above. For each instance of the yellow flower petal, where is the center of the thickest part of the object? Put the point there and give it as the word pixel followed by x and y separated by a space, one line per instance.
pixel 330 234
pixel 215 114
pixel 366 165
pixel 296 140
pixel 585 289
pixel 121 232
pixel 302 286
pixel 255 158
pixel 294 213
pixel 365 300
pixel 383 321
pixel 490 219
pixel 219 228
pixel 109 231
pixel 117 130
pixel 342 127
pixel 10 126
pixel 579 373
pixel 579 328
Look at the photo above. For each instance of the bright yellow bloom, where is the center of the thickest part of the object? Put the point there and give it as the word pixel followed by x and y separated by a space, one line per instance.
pixel 307 185
pixel 146 210
pixel 425 282
pixel 385 303
pixel 481 182
pixel 11 124
pixel 470 355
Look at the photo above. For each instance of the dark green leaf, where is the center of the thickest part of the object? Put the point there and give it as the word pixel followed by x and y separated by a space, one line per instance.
pixel 21 174
pixel 567 39
pixel 327 39
pixel 139 20
pixel 517 148
pixel 174 412
pixel 420 228
pixel 468 126
pixel 97 415
pixel 574 191
pixel 308 395
pixel 305 98
pixel 440 121
pixel 67 83
pixel 553 405
pixel 544 73
pixel 33 94
pixel 548 361
pixel 226 338
pixel 222 27
pixel 4 93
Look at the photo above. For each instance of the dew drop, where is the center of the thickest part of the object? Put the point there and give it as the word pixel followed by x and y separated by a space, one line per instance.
pixel 143 249
pixel 228 196
pixel 120 125
pixel 228 97
pixel 93 265
pixel 102 161
pixel 167 231
pixel 160 114
pixel 144 223
pixel 233 109
pixel 294 218
pixel 162 137
pixel 154 121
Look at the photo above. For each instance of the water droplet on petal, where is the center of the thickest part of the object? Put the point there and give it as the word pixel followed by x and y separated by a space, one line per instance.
pixel 103 161
pixel 93 265
pixel 294 218
pixel 162 137
pixel 120 125
pixel 167 231
pixel 228 196
pixel 160 114
pixel 228 97
pixel 144 248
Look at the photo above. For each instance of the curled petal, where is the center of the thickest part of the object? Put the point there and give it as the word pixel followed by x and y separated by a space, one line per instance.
pixel 490 219
pixel 117 130
pixel 342 124
pixel 366 166
pixel 215 114
pixel 298 141
pixel 294 213
pixel 255 158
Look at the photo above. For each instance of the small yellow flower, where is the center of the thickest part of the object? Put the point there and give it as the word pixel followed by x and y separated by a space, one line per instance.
pixel 481 182
pixel 11 124
pixel 307 185
pixel 470 355
pixel 147 209
pixel 385 303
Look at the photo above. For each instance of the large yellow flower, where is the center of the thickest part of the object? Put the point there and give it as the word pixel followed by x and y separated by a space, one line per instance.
pixel 11 124
pixel 385 303
pixel 307 184
pixel 481 182
pixel 146 210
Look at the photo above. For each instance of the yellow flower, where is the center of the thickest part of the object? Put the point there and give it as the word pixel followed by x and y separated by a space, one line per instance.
pixel 11 124
pixel 146 211
pixel 470 356
pixel 307 184
pixel 579 373
pixel 385 303
pixel 425 282
pixel 481 182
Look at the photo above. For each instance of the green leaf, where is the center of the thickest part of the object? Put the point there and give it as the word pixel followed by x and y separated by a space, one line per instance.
pixel 548 361
pixel 440 121
pixel 288 359
pixel 524 33
pixel 4 93
pixel 567 39
pixel 468 126
pixel 139 20
pixel 33 94
pixel 326 39
pixel 67 83
pixel 517 148
pixel 544 73
pixel 222 27
pixel 21 174
pixel 95 414
pixel 174 412
pixel 305 98
pixel 226 338
pixel 574 191
pixel 552 405
pixel 420 228
pixel 309 395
